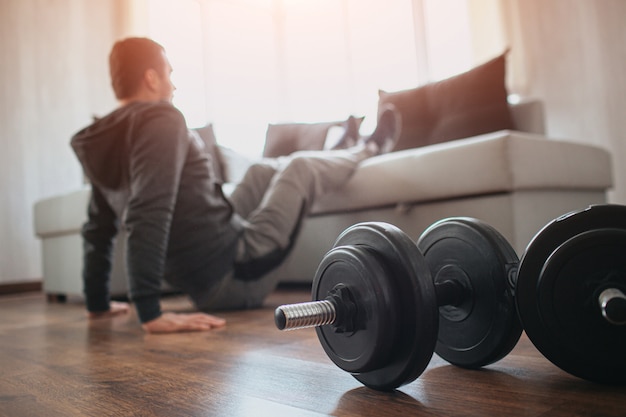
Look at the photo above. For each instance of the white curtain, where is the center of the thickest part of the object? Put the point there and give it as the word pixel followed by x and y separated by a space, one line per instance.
pixel 241 64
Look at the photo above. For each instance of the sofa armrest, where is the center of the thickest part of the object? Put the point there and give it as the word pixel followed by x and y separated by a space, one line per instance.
pixel 63 214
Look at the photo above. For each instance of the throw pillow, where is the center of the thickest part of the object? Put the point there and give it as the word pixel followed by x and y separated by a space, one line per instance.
pixel 285 138
pixel 207 134
pixel 466 105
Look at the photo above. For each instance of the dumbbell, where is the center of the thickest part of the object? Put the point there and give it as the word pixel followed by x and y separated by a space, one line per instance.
pixel 570 296
pixel 383 304
pixel 570 293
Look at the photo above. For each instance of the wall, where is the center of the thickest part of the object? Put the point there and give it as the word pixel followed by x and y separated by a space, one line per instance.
pixel 572 54
pixel 53 78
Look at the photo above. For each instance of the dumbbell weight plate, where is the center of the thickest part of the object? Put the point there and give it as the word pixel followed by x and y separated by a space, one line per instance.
pixel 565 267
pixel 390 283
pixel 484 327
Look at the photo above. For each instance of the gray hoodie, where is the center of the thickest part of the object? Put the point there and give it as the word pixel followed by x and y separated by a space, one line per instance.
pixel 152 177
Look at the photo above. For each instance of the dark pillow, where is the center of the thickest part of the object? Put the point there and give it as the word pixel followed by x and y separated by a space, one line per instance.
pixel 466 105
pixel 210 142
pixel 286 138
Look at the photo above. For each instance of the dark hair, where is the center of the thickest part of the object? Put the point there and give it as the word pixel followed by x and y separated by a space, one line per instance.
pixel 130 58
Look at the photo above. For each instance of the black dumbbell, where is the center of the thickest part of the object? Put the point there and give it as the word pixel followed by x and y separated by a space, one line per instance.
pixel 570 293
pixel 383 304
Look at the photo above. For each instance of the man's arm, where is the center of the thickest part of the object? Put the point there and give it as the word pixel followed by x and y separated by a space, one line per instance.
pixel 157 154
pixel 157 157
pixel 98 234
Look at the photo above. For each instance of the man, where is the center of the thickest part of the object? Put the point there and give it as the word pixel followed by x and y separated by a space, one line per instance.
pixel 151 176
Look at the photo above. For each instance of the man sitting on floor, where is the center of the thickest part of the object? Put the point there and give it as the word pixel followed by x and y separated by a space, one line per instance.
pixel 151 176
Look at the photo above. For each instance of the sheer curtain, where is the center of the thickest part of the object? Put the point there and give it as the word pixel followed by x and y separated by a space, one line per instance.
pixel 241 64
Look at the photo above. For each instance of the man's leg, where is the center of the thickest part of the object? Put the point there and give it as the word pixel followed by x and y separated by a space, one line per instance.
pixel 270 226
pixel 290 193
pixel 296 186
pixel 248 194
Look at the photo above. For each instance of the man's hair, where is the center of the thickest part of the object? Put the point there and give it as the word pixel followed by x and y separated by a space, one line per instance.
pixel 129 60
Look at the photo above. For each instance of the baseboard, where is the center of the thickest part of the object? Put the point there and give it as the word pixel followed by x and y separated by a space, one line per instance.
pixel 20 287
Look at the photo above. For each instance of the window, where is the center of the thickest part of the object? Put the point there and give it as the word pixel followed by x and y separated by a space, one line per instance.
pixel 241 64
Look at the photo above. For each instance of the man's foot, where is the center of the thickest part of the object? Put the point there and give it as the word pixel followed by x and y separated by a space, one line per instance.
pixel 350 134
pixel 387 132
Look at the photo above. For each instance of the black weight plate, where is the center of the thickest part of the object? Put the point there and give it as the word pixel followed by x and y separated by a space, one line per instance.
pixel 392 288
pixel 484 327
pixel 565 267
pixel 369 342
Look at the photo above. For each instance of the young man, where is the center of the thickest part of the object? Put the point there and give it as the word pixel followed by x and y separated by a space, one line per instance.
pixel 151 176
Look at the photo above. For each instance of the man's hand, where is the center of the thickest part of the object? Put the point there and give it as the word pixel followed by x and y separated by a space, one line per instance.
pixel 115 309
pixel 178 322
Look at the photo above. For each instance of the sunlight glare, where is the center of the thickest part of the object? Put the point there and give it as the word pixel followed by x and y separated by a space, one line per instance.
pixel 243 64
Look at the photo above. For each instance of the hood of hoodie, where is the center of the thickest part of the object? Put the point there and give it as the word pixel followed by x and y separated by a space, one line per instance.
pixel 103 147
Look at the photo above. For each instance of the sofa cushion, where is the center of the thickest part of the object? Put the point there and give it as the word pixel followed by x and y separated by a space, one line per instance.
pixel 207 134
pixel 466 105
pixel 498 162
pixel 285 138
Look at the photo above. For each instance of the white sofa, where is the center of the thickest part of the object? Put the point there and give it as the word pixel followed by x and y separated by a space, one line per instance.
pixel 515 180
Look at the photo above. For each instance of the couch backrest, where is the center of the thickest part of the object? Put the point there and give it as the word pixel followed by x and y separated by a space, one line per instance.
pixel 528 116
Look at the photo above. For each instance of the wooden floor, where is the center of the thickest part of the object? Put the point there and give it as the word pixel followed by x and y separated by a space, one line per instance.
pixel 54 362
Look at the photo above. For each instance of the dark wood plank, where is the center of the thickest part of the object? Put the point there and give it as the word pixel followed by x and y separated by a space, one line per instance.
pixel 20 287
pixel 55 362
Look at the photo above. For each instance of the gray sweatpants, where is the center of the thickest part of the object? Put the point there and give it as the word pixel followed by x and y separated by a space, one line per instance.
pixel 271 198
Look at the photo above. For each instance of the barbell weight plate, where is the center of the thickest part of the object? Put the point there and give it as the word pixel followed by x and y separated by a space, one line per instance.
pixel 366 343
pixel 484 327
pixel 562 273
pixel 391 286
